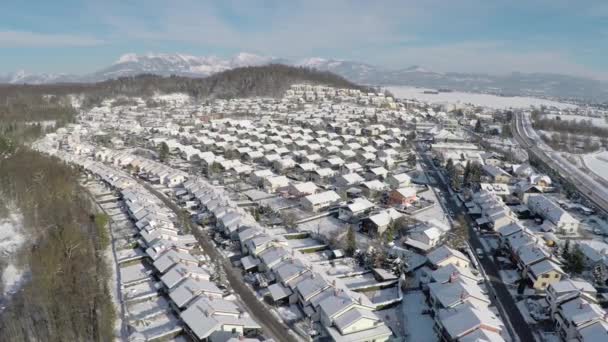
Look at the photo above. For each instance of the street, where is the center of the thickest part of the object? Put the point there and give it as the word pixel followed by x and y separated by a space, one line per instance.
pixel 258 311
pixel 507 303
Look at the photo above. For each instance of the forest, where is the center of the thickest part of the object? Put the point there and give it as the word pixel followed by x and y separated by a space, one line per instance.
pixel 66 296
pixel 268 81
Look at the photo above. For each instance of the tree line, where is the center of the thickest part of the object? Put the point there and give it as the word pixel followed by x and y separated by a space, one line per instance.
pixel 266 81
pixel 66 297
pixel 579 127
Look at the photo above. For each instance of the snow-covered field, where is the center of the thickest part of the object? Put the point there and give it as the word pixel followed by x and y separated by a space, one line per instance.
pixel 599 122
pixel 485 100
pixel 11 238
pixel 598 163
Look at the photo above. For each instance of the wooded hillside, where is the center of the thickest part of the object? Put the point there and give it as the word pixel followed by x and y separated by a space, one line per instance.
pixel 270 80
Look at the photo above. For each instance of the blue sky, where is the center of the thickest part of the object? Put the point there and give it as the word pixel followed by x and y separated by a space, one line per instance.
pixel 493 36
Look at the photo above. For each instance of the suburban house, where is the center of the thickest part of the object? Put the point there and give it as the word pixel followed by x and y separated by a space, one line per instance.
pixel 302 189
pixel 400 180
pixel 320 201
pixel 355 210
pixel 402 197
pixel 445 255
pixel 541 205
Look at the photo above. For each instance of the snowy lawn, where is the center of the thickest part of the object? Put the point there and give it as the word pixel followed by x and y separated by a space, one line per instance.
pixel 485 100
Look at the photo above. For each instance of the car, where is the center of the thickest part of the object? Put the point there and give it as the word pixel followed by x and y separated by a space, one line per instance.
pixel 479 252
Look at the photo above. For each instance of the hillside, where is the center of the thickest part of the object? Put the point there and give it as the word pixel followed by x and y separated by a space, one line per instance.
pixel 268 80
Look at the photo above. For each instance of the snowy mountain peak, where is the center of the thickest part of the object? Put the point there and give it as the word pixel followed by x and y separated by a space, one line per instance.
pixel 127 58
pixel 247 59
pixel 417 68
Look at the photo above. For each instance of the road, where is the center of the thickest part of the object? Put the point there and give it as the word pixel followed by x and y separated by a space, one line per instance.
pixel 507 303
pixel 270 324
pixel 589 188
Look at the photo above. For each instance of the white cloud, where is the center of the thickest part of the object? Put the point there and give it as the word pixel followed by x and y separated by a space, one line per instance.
pixel 13 39
pixel 371 32
pixel 493 57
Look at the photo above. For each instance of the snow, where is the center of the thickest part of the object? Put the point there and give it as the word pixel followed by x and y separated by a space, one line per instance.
pixel 599 122
pixel 289 313
pixel 11 239
pixel 127 58
pixel 598 163
pixel 523 308
pixel 485 100
pixel 419 327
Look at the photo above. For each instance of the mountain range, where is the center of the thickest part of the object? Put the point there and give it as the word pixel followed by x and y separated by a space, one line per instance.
pixel 534 84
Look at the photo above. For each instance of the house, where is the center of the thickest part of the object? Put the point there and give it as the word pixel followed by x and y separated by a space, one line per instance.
pixel 424 239
pixel 191 288
pixel 496 174
pixel 180 272
pixel 445 255
pixel 355 210
pixel 214 319
pixel 376 224
pixel 320 201
pixel 575 315
pixel 456 292
pixel 400 180
pixel 469 323
pixel 321 176
pixel 541 205
pixel 302 189
pixel 373 188
pixel 273 184
pixel 594 252
pixel 376 173
pixel 353 167
pixel 451 272
pixel 402 197
pixel 257 177
pixel 349 179
pixel 569 289
pixel 545 273
pixel 539 180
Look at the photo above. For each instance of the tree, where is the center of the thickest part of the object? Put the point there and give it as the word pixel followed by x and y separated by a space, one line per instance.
pixel 389 235
pixel 450 168
pixel 475 173
pixel 478 128
pixel 456 182
pixel 351 241
pixel 466 177
pixel 163 151
pixel 566 250
pixel 600 273
pixel 575 263
pixel 289 219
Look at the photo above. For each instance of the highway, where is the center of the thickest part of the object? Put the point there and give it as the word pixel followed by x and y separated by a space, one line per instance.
pixel 518 328
pixel 588 187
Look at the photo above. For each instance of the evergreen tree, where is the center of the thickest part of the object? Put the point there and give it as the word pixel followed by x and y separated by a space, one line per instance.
pixel 466 179
pixel 163 151
pixel 450 169
pixel 351 242
pixel 478 127
pixel 566 250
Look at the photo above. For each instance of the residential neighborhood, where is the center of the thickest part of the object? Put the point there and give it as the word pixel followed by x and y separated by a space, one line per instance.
pixel 333 214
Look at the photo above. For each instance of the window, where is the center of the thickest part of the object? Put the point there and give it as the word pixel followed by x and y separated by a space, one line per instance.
pixel 543 284
pixel 546 275
pixel 556 275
